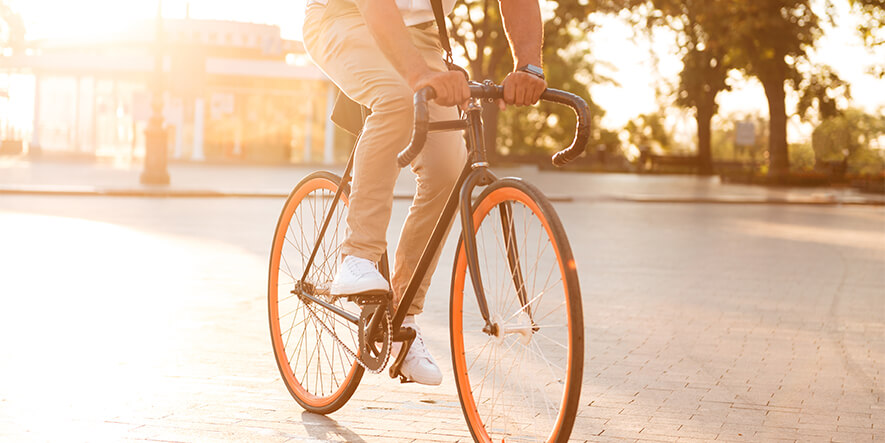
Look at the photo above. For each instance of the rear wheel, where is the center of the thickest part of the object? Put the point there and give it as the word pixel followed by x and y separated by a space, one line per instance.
pixel 518 378
pixel 311 343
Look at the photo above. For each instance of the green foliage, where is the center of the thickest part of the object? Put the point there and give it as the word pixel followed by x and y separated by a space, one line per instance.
pixel 801 157
pixel 867 162
pixel 701 30
pixel 649 130
pixel 722 144
pixel 702 78
pixel 766 40
pixel 547 126
pixel 872 28
pixel 822 90
pixel 479 36
pixel 850 136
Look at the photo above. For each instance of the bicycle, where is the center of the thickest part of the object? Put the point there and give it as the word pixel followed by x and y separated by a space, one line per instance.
pixel 515 315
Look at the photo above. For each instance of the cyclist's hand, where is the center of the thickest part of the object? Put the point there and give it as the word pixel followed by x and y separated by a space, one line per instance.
pixel 522 89
pixel 451 87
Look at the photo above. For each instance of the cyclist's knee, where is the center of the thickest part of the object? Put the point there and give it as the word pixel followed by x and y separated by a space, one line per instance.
pixel 392 115
pixel 394 100
pixel 456 161
pixel 440 164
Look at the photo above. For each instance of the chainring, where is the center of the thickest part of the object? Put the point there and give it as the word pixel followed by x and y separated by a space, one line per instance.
pixel 374 351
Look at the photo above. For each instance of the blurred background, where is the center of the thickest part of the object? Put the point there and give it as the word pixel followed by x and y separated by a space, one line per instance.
pixel 789 91
pixel 714 308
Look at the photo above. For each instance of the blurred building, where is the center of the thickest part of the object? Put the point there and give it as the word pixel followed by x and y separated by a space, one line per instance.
pixel 234 92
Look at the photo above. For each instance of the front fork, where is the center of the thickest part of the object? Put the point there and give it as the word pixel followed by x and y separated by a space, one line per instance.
pixel 481 176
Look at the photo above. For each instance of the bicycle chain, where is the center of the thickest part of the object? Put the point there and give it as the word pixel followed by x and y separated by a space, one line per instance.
pixel 346 349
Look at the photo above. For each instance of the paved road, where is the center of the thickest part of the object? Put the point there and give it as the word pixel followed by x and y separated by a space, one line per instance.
pixel 146 319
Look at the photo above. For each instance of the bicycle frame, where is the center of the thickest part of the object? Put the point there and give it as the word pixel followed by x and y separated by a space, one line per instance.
pixel 475 173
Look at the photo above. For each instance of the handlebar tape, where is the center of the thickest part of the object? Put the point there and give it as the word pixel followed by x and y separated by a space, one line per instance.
pixel 493 92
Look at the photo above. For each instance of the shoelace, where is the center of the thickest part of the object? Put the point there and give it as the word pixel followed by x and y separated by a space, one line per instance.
pixel 359 268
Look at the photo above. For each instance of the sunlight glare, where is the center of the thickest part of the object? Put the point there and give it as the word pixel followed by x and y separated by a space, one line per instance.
pixel 90 18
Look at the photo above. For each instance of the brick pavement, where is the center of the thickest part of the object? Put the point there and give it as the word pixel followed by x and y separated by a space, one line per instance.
pixel 144 319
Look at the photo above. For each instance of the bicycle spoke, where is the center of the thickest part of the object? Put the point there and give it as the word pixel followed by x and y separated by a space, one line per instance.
pixel 545 337
pixel 518 376
pixel 316 342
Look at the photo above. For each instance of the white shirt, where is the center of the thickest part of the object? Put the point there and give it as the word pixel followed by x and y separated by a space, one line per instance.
pixel 414 11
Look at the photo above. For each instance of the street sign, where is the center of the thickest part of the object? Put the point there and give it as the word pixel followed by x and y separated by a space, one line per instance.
pixel 745 133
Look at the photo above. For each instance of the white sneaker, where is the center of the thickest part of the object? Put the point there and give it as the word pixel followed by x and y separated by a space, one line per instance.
pixel 358 276
pixel 419 366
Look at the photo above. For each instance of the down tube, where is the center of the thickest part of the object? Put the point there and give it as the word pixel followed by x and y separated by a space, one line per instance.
pixel 435 242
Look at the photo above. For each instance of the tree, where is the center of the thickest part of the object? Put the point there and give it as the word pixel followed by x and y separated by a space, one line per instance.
pixel 478 34
pixel 822 89
pixel 700 29
pixel 766 40
pixel 846 139
pixel 704 71
pixel 648 131
pixel 872 28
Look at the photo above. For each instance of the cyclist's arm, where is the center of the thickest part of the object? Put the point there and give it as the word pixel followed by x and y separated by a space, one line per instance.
pixel 385 22
pixel 522 23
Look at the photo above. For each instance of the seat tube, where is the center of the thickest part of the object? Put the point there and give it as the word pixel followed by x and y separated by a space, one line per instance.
pixel 345 179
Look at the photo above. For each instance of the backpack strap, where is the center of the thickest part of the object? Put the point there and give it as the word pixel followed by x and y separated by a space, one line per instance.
pixel 443 30
pixel 444 36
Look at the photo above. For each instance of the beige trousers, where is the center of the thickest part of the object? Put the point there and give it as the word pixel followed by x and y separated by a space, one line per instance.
pixel 338 40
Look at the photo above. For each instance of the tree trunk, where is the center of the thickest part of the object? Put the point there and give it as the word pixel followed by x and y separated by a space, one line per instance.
pixel 704 114
pixel 779 159
pixel 490 112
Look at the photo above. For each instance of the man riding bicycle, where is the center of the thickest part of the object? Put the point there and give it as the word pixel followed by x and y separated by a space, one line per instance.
pixel 379 52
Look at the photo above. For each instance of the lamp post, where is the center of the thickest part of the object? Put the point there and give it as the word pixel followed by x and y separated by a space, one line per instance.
pixel 155 152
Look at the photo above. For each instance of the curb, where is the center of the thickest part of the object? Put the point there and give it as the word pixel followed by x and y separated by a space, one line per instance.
pixel 88 191
pixel 742 200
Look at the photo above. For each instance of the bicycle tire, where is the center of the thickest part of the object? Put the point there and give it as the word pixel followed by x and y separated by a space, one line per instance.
pixel 520 325
pixel 319 375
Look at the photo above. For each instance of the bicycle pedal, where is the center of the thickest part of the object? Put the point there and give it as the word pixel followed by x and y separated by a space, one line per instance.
pixel 409 337
pixel 370 298
pixel 403 379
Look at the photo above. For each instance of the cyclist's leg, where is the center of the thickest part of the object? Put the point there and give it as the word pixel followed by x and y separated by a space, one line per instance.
pixel 341 44
pixel 438 167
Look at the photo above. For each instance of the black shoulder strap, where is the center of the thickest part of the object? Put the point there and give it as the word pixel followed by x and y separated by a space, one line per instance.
pixel 443 30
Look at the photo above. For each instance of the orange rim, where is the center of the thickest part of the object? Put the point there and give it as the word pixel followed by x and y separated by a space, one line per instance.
pixel 493 199
pixel 285 366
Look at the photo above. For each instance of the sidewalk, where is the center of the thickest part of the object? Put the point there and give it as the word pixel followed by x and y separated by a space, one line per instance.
pixel 19 176
pixel 146 318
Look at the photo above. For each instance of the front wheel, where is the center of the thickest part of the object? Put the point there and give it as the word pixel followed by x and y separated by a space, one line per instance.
pixel 519 375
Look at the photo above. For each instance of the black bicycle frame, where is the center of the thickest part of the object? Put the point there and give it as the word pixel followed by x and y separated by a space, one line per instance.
pixel 475 173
